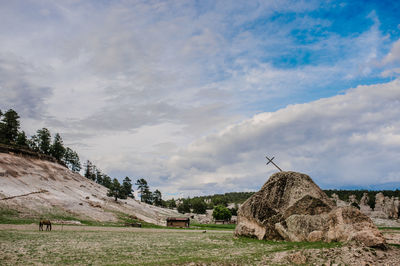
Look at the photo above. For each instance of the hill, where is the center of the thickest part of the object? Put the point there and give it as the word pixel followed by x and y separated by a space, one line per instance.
pixel 32 188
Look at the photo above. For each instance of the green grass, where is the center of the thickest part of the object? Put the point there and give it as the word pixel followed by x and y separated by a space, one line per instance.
pixel 389 228
pixel 213 226
pixel 10 216
pixel 147 247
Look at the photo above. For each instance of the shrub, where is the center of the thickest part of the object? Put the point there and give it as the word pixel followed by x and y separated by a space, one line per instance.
pixel 221 213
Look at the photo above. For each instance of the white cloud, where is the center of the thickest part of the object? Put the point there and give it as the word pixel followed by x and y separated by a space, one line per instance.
pixel 393 55
pixel 351 139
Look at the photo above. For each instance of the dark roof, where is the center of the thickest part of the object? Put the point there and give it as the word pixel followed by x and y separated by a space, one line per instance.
pixel 178 219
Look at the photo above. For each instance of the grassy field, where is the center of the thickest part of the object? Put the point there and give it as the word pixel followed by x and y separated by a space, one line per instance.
pixel 105 246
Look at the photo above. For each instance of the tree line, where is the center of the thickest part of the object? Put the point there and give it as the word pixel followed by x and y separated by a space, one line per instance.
pixel 41 142
pixel 240 197
pixel 199 205
pixel 124 190
pixel 202 203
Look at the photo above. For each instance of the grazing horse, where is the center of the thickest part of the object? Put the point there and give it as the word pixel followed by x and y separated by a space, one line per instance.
pixel 45 222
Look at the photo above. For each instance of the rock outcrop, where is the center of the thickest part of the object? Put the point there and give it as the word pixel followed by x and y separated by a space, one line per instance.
pixel 385 207
pixel 339 202
pixel 364 207
pixel 291 207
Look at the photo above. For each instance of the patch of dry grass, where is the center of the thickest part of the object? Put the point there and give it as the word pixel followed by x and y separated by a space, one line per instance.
pixel 144 247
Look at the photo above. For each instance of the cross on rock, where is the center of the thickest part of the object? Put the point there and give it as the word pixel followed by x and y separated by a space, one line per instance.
pixel 270 161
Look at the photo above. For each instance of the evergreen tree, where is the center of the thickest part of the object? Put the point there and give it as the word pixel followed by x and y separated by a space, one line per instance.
pixel 107 181
pixel 22 140
pixel 99 177
pixel 171 203
pixel 44 140
pixel 2 137
pixel 127 187
pixel 180 209
pixel 220 200
pixel 147 196
pixel 143 189
pixel 199 206
pixel 184 207
pixel 57 150
pixel 33 143
pixel 9 127
pixel 89 169
pixel 71 160
pixel 114 190
pixel 157 198
pixel 93 173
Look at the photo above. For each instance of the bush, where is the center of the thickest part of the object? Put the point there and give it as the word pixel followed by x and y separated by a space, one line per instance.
pixel 221 213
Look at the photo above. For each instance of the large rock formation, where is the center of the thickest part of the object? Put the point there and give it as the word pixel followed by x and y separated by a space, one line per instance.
pixel 364 207
pixel 290 206
pixel 385 207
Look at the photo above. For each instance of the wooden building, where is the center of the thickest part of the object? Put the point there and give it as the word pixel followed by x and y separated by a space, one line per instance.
pixel 178 222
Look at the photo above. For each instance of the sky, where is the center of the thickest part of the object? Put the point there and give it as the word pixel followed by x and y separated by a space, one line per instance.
pixel 192 95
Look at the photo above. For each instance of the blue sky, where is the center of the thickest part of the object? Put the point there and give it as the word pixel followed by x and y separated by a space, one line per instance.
pixel 192 95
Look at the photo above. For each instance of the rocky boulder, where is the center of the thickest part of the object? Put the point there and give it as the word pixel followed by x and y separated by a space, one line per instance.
pixel 291 207
pixel 283 195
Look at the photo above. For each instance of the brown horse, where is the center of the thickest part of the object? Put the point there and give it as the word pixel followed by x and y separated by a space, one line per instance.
pixel 45 222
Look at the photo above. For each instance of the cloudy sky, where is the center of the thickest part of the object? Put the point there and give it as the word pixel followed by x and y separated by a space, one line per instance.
pixel 192 95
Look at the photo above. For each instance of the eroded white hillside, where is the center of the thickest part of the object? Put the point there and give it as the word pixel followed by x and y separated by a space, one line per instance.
pixel 35 187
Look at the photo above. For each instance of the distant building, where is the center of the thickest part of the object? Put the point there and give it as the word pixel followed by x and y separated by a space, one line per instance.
pixel 178 222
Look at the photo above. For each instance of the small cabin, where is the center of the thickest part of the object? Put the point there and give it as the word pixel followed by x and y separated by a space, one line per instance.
pixel 178 222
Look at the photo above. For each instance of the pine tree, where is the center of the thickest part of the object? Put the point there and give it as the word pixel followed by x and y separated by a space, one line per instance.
pixel 33 143
pixel 107 181
pixel 9 127
pixel 43 137
pixel 88 169
pixel 184 207
pixel 114 190
pixel 143 189
pixel 127 187
pixel 71 160
pixel 171 203
pixel 2 136
pixel 93 173
pixel 57 150
pixel 199 206
pixel 99 177
pixel 22 140
pixel 157 198
pixel 147 196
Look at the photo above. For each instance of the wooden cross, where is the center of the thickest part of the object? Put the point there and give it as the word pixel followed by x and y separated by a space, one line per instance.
pixel 270 161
